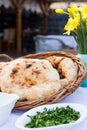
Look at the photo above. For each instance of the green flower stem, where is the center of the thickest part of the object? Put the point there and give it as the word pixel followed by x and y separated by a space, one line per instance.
pixel 81 37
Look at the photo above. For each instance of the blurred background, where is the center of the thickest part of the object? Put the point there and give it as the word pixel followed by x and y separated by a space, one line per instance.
pixel 25 25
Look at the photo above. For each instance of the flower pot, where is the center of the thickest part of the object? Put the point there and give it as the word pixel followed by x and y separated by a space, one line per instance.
pixel 83 57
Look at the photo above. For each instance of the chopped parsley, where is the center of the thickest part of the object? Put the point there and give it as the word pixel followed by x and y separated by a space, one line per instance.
pixel 51 117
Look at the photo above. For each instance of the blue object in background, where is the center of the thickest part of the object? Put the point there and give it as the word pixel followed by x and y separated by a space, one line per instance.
pixel 83 57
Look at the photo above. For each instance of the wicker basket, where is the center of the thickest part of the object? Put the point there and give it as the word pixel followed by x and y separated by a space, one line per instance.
pixel 61 94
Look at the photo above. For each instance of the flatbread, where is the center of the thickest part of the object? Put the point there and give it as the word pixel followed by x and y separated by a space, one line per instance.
pixel 66 67
pixel 31 79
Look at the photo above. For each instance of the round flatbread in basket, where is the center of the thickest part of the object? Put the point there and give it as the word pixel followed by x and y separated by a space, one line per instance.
pixel 41 78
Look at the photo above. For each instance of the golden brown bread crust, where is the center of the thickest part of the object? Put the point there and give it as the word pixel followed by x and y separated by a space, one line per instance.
pixel 32 79
pixel 66 67
pixel 29 78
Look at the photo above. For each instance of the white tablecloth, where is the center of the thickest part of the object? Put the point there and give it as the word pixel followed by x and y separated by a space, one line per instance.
pixel 79 96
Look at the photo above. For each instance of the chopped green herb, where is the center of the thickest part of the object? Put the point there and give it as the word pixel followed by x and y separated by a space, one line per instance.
pixel 51 117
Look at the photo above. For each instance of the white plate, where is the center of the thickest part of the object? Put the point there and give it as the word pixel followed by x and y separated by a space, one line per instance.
pixel 22 120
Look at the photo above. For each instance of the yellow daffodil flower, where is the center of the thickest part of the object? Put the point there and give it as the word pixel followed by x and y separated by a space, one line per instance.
pixel 77 25
pixel 71 25
pixel 73 11
pixel 84 12
pixel 60 11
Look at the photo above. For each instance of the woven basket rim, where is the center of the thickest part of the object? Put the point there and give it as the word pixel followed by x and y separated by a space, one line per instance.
pixel 62 93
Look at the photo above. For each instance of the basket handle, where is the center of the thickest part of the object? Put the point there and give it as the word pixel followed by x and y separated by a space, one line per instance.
pixel 6 57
